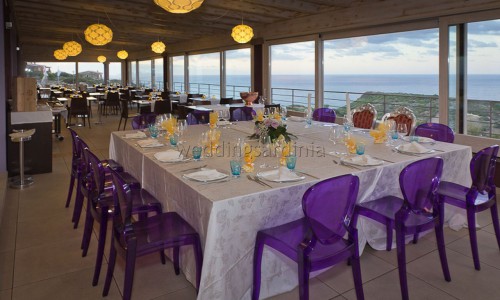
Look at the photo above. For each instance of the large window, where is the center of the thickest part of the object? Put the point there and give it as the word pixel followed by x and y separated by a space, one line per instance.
pixel 386 70
pixel 115 73
pixel 238 70
pixel 292 74
pixel 158 73
pixel 133 73
pixel 204 74
pixel 145 73
pixel 50 73
pixel 177 73
pixel 90 73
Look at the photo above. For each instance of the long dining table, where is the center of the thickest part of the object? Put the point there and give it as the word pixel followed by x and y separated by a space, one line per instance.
pixel 228 214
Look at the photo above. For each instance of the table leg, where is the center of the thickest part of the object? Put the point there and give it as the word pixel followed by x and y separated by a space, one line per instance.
pixel 99 113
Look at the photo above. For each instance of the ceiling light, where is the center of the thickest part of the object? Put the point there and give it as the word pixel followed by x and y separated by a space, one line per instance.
pixel 242 33
pixel 98 34
pixel 72 48
pixel 60 54
pixel 122 54
pixel 101 58
pixel 158 47
pixel 179 6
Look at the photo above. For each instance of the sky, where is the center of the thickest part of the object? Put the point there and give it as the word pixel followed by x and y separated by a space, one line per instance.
pixel 411 52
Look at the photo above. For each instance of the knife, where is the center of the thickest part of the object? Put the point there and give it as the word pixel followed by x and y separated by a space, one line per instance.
pixel 252 179
pixel 191 169
pixel 257 179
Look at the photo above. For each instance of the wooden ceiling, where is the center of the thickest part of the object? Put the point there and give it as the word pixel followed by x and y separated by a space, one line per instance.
pixel 44 25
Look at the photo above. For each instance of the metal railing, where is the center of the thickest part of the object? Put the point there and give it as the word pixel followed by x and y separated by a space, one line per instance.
pixel 211 89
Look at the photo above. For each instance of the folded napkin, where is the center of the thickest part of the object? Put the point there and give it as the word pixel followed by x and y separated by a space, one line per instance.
pixel 421 139
pixel 296 119
pixel 24 134
pixel 149 143
pixel 135 135
pixel 413 147
pixel 169 156
pixel 206 175
pixel 281 174
pixel 362 160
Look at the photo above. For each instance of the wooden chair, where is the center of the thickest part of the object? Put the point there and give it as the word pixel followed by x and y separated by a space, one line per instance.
pixel 402 115
pixel 364 116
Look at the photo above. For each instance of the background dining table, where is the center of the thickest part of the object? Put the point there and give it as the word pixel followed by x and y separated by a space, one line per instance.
pixel 228 214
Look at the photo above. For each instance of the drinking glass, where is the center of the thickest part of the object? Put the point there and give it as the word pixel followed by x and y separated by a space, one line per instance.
pixel 174 139
pixel 402 130
pixel 336 133
pixel 235 168
pixel 283 113
pixel 182 126
pixel 197 152
pixel 291 160
pixel 265 144
pixel 347 123
pixel 153 131
pixel 360 148
pixel 308 115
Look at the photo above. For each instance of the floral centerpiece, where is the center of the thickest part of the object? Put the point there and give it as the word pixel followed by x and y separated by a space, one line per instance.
pixel 380 134
pixel 272 126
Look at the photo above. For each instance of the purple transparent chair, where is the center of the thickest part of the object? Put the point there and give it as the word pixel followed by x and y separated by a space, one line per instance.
pixel 480 196
pixel 418 211
pixel 242 114
pixel 198 117
pixel 100 205
pixel 436 131
pixel 132 239
pixel 316 241
pixel 142 121
pixel 324 115
pixel 75 164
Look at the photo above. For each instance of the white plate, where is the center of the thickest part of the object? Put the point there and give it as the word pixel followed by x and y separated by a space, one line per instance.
pixel 374 162
pixel 169 156
pixel 149 144
pixel 205 175
pixel 412 152
pixel 421 139
pixel 274 176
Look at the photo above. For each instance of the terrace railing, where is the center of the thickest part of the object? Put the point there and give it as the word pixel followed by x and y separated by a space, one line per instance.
pixel 210 89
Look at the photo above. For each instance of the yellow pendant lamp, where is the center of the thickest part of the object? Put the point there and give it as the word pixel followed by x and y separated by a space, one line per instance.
pixel 72 48
pixel 98 34
pixel 122 54
pixel 179 6
pixel 242 33
pixel 101 58
pixel 60 54
pixel 158 47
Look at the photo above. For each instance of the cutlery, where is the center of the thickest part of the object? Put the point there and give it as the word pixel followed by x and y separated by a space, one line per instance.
pixel 307 174
pixel 253 179
pixel 191 169
pixel 216 181
pixel 257 179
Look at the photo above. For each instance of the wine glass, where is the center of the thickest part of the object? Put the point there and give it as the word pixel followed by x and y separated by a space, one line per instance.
pixel 402 130
pixel 336 133
pixel 181 128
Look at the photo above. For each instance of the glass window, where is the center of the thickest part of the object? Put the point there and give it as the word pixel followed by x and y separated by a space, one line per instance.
pixel 386 70
pixel 292 74
pixel 115 73
pixel 178 74
pixel 90 73
pixel 50 73
pixel 204 74
pixel 158 82
pixel 238 72
pixel 133 73
pixel 145 73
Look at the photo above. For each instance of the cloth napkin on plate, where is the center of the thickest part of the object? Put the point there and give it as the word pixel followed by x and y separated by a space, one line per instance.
pixel 135 135
pixel 296 119
pixel 362 160
pixel 413 147
pixel 169 156
pixel 281 174
pixel 206 175
pixel 149 143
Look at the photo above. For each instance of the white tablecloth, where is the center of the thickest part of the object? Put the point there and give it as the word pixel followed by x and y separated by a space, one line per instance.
pixel 228 215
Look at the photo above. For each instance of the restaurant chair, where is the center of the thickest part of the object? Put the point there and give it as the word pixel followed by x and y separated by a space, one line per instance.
pixel 112 102
pixel 163 107
pixel 143 121
pixel 324 114
pixel 198 117
pixel 147 91
pixel 132 239
pixel 418 211
pixel 272 105
pixel 242 113
pixel 101 206
pixel 124 114
pixel 480 196
pixel 165 95
pixel 316 241
pixel 224 101
pixel 79 108
pixel 402 115
pixel 89 99
pixel 364 116
pixel 436 131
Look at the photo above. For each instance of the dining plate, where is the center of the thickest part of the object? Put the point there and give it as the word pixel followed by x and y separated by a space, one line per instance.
pixel 274 176
pixel 399 149
pixel 361 161
pixel 169 156
pixel 206 175
pixel 421 139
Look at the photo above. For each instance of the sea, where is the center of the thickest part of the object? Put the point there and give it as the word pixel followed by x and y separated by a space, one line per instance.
pixel 479 86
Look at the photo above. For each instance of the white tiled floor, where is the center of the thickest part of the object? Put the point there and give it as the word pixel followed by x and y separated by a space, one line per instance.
pixel 40 256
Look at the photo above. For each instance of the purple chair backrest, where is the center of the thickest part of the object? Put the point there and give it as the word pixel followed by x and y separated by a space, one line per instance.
pixel 243 114
pixel 122 219
pixel 328 207
pixel 436 131
pixel 202 117
pixel 482 169
pixel 74 143
pixel 85 163
pixel 324 115
pixel 419 182
pixel 96 171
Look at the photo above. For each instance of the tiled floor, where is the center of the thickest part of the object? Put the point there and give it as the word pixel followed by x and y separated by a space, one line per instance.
pixel 40 255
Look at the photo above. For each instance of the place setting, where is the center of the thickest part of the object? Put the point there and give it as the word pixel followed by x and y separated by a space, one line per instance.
pixel 171 157
pixel 206 175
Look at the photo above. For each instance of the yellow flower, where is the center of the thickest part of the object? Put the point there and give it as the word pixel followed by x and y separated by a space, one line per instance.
pixel 260 116
pixel 277 116
pixel 350 144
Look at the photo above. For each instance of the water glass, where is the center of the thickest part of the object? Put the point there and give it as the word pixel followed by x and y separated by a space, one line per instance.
pixel 235 168
pixel 360 148
pixel 197 152
pixel 291 160
pixel 336 134
pixel 153 131
pixel 174 139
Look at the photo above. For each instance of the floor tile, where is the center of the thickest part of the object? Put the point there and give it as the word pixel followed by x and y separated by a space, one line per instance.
pixel 6 295
pixel 6 270
pixel 188 293
pixel 317 290
pixel 489 251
